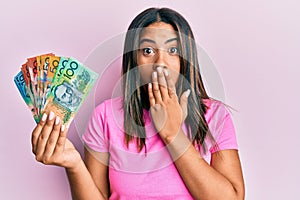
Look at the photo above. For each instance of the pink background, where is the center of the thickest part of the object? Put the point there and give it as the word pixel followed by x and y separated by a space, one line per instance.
pixel 254 45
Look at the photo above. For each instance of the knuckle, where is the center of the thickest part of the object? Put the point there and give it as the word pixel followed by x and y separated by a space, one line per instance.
pixel 171 91
pixel 169 101
pixel 169 78
pixel 46 160
pixel 60 143
pixel 155 85
pixel 173 95
pixel 49 123
pixel 151 97
pixel 163 86
pixel 51 141
pixel 38 158
pixel 34 135
pixel 34 151
pixel 41 124
pixel 157 106
pixel 36 131
pixel 160 75
pixel 56 127
pixel 43 137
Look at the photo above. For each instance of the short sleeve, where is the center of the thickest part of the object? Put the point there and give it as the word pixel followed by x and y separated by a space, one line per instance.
pixel 95 136
pixel 226 135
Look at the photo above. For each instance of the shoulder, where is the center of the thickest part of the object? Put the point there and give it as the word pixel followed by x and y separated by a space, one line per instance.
pixel 218 118
pixel 110 113
pixel 221 126
pixel 110 105
pixel 215 109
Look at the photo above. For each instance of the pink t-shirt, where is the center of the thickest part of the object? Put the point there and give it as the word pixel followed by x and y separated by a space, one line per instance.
pixel 136 175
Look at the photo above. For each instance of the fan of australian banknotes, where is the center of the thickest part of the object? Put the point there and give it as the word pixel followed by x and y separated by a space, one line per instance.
pixel 53 83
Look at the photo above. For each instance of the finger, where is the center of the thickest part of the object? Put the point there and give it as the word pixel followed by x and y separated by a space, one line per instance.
pixel 61 141
pixel 170 83
pixel 43 137
pixel 162 83
pixel 151 96
pixel 51 143
pixel 37 131
pixel 155 88
pixel 184 103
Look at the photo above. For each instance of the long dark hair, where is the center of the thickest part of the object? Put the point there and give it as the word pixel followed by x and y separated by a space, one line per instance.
pixel 136 98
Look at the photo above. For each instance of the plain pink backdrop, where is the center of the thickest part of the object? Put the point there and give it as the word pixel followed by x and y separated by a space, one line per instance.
pixel 254 45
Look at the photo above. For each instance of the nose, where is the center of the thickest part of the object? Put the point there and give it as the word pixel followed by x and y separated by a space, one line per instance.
pixel 160 60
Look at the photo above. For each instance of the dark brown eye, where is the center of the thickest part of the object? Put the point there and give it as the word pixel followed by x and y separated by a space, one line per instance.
pixel 148 51
pixel 173 50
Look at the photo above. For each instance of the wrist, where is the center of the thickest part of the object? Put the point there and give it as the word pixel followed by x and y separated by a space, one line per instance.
pixel 76 168
pixel 178 145
pixel 169 134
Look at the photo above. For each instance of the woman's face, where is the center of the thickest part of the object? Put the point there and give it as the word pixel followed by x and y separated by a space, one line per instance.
pixel 158 46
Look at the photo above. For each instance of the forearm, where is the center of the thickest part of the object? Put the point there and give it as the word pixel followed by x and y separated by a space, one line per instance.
pixel 202 180
pixel 81 184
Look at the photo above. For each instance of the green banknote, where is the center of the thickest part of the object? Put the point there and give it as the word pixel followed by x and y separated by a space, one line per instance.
pixel 60 68
pixel 71 85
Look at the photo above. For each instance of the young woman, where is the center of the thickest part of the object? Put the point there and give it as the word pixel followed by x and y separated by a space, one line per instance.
pixel 164 138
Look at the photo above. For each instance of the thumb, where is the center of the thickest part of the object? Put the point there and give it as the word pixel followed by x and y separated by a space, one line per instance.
pixel 184 102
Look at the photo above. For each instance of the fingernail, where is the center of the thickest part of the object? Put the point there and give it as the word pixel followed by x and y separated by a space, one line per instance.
pixel 187 93
pixel 44 117
pixel 154 74
pixel 166 72
pixel 159 69
pixel 62 128
pixel 150 85
pixel 51 115
pixel 57 120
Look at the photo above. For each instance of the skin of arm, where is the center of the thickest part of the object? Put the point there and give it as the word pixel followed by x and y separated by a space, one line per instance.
pixel 223 178
pixel 82 184
pixel 97 165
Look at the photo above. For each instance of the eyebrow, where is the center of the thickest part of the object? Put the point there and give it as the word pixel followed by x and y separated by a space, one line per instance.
pixel 152 41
